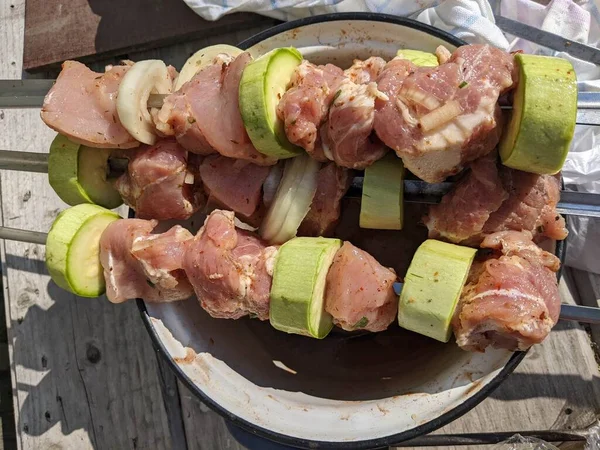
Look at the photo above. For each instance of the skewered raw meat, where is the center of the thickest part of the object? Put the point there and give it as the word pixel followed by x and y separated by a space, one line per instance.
pixel 511 300
pixel 332 184
pixel 363 72
pixel 531 205
pixel 304 107
pixel 138 264
pixel 231 269
pixel 359 293
pixel 490 199
pixel 347 137
pixel 233 184
pixel 204 114
pixel 437 119
pixel 82 105
pixel 161 182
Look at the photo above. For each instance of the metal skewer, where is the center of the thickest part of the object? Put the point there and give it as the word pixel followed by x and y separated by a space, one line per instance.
pixel 548 40
pixel 576 313
pixel 415 191
pixel 31 93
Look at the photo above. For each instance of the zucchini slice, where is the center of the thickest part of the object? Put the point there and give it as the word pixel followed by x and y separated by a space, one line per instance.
pixel 540 131
pixel 73 249
pixel 78 174
pixel 298 291
pixel 292 200
pixel 200 59
pixel 432 287
pixel 263 83
pixel 382 203
pixel 418 57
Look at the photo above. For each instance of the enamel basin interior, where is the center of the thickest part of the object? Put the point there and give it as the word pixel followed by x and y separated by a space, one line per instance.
pixel 348 388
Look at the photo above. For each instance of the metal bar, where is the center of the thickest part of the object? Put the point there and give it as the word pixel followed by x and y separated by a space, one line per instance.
pixel 549 40
pixel 588 117
pixel 24 161
pixel 14 234
pixel 31 93
pixel 584 314
pixel 443 440
pixel 579 204
pixel 415 191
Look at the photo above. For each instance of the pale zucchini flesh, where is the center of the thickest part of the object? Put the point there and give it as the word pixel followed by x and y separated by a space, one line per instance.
pixel 382 202
pixel 78 174
pixel 263 83
pixel 418 57
pixel 93 177
pixel 73 248
pixel 297 303
pixel 538 136
pixel 63 170
pixel 432 288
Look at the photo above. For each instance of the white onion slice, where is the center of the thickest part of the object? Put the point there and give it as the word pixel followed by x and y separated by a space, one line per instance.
pixel 440 116
pixel 272 183
pixel 144 78
pixel 292 200
pixel 200 59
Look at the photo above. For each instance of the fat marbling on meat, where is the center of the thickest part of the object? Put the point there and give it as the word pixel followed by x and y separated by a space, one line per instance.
pixel 363 72
pixel 82 105
pixel 204 115
pixel 359 292
pixel 492 198
pixel 511 299
pixel 231 269
pixel 161 182
pixel 437 119
pixel 139 264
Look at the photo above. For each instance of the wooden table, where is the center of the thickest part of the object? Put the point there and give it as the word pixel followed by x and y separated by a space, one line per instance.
pixel 84 374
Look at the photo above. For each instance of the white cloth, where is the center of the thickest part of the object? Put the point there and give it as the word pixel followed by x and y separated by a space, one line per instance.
pixel 473 21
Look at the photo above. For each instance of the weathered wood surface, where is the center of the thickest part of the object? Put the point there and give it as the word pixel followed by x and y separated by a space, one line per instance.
pixel 86 29
pixel 85 375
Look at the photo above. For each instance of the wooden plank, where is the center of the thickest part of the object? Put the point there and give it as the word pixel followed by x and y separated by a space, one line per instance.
pixel 588 293
pixel 91 29
pixel 205 429
pixel 84 371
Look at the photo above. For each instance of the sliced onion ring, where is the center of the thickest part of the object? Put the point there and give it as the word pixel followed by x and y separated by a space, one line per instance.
pixel 292 200
pixel 200 59
pixel 144 78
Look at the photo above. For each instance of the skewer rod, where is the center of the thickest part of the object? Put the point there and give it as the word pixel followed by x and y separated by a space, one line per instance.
pixel 31 93
pixel 14 234
pixel 584 314
pixel 415 191
pixel 24 161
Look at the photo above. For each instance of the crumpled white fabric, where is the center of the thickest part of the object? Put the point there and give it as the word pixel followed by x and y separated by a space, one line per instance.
pixel 473 21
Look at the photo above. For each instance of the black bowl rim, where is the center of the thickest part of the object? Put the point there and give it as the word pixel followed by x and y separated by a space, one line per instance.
pixel 385 441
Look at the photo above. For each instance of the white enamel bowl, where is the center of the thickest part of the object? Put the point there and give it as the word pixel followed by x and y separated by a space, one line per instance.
pixel 347 391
